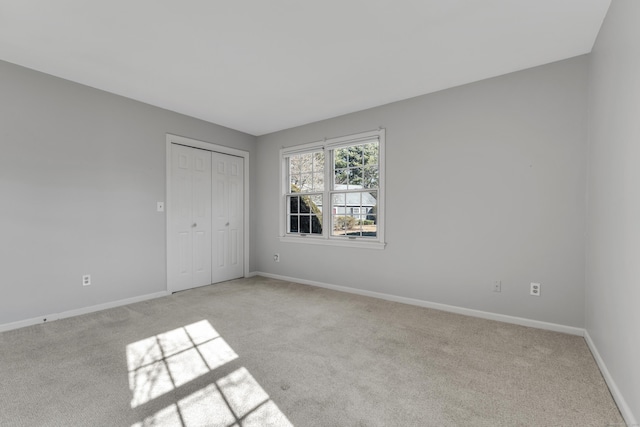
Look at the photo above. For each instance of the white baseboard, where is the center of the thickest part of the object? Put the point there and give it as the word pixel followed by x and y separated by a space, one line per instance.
pixel 613 388
pixel 77 312
pixel 437 306
pixel 615 392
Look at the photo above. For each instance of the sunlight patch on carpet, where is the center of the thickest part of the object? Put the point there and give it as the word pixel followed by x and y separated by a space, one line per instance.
pixel 161 363
pixel 234 400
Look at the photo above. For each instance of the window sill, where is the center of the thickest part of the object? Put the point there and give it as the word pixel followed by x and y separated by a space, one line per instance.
pixel 349 243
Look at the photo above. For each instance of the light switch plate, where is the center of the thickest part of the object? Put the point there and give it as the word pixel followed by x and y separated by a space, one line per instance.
pixel 160 206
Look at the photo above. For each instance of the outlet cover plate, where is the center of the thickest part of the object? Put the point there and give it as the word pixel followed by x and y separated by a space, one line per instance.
pixel 535 289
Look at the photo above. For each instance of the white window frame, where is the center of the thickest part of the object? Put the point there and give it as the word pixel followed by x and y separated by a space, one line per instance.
pixel 327 146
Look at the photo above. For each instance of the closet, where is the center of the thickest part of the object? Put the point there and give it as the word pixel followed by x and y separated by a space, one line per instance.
pixel 206 221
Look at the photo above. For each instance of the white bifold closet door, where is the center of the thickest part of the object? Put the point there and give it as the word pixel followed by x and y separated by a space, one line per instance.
pixel 206 223
pixel 228 219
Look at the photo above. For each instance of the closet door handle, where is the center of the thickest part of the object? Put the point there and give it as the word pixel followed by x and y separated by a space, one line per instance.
pixel 194 225
pixel 227 224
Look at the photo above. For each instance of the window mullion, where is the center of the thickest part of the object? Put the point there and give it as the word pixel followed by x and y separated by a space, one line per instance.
pixel 328 186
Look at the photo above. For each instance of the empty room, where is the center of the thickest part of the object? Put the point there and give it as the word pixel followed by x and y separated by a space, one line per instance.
pixel 356 213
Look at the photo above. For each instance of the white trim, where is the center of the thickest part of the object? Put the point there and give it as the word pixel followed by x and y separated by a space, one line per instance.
pixel 624 408
pixel 310 147
pixel 282 199
pixel 356 137
pixel 209 146
pixel 47 318
pixel 341 241
pixel 336 141
pixel 437 306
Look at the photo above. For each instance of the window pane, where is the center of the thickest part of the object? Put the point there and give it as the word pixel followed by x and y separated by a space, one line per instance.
pixel 293 224
pixel 305 162
pixel 305 224
pixel 355 155
pixel 340 225
pixel 293 204
pixel 316 225
pixel 315 203
pixel 318 161
pixel 306 172
pixel 338 199
pixel 369 229
pixel 304 205
pixel 306 182
pixel 318 171
pixel 355 178
pixel 341 178
pixel 370 154
pixel 354 214
pixel 294 165
pixel 294 181
pixel 371 197
pixel 353 199
pixel 356 167
pixel 341 158
pixel 370 177
pixel 305 214
pixel 318 181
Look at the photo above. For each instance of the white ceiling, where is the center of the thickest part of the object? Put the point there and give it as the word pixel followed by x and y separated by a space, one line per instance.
pixel 264 65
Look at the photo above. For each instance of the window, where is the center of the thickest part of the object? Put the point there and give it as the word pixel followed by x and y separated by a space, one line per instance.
pixel 304 199
pixel 332 191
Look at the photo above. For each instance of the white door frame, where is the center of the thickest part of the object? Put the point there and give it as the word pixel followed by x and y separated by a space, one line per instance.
pixel 176 139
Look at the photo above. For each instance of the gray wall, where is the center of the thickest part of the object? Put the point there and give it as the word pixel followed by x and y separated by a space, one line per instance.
pixel 493 171
pixel 484 182
pixel 613 248
pixel 81 171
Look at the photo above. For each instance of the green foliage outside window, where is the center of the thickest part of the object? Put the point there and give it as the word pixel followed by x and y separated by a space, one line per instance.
pixel 357 166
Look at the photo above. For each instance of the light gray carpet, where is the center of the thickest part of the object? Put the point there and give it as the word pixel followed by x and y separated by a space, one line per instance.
pixel 265 352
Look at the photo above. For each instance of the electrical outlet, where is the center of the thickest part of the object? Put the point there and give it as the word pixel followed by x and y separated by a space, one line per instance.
pixel 497 286
pixel 86 280
pixel 535 289
pixel 276 257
